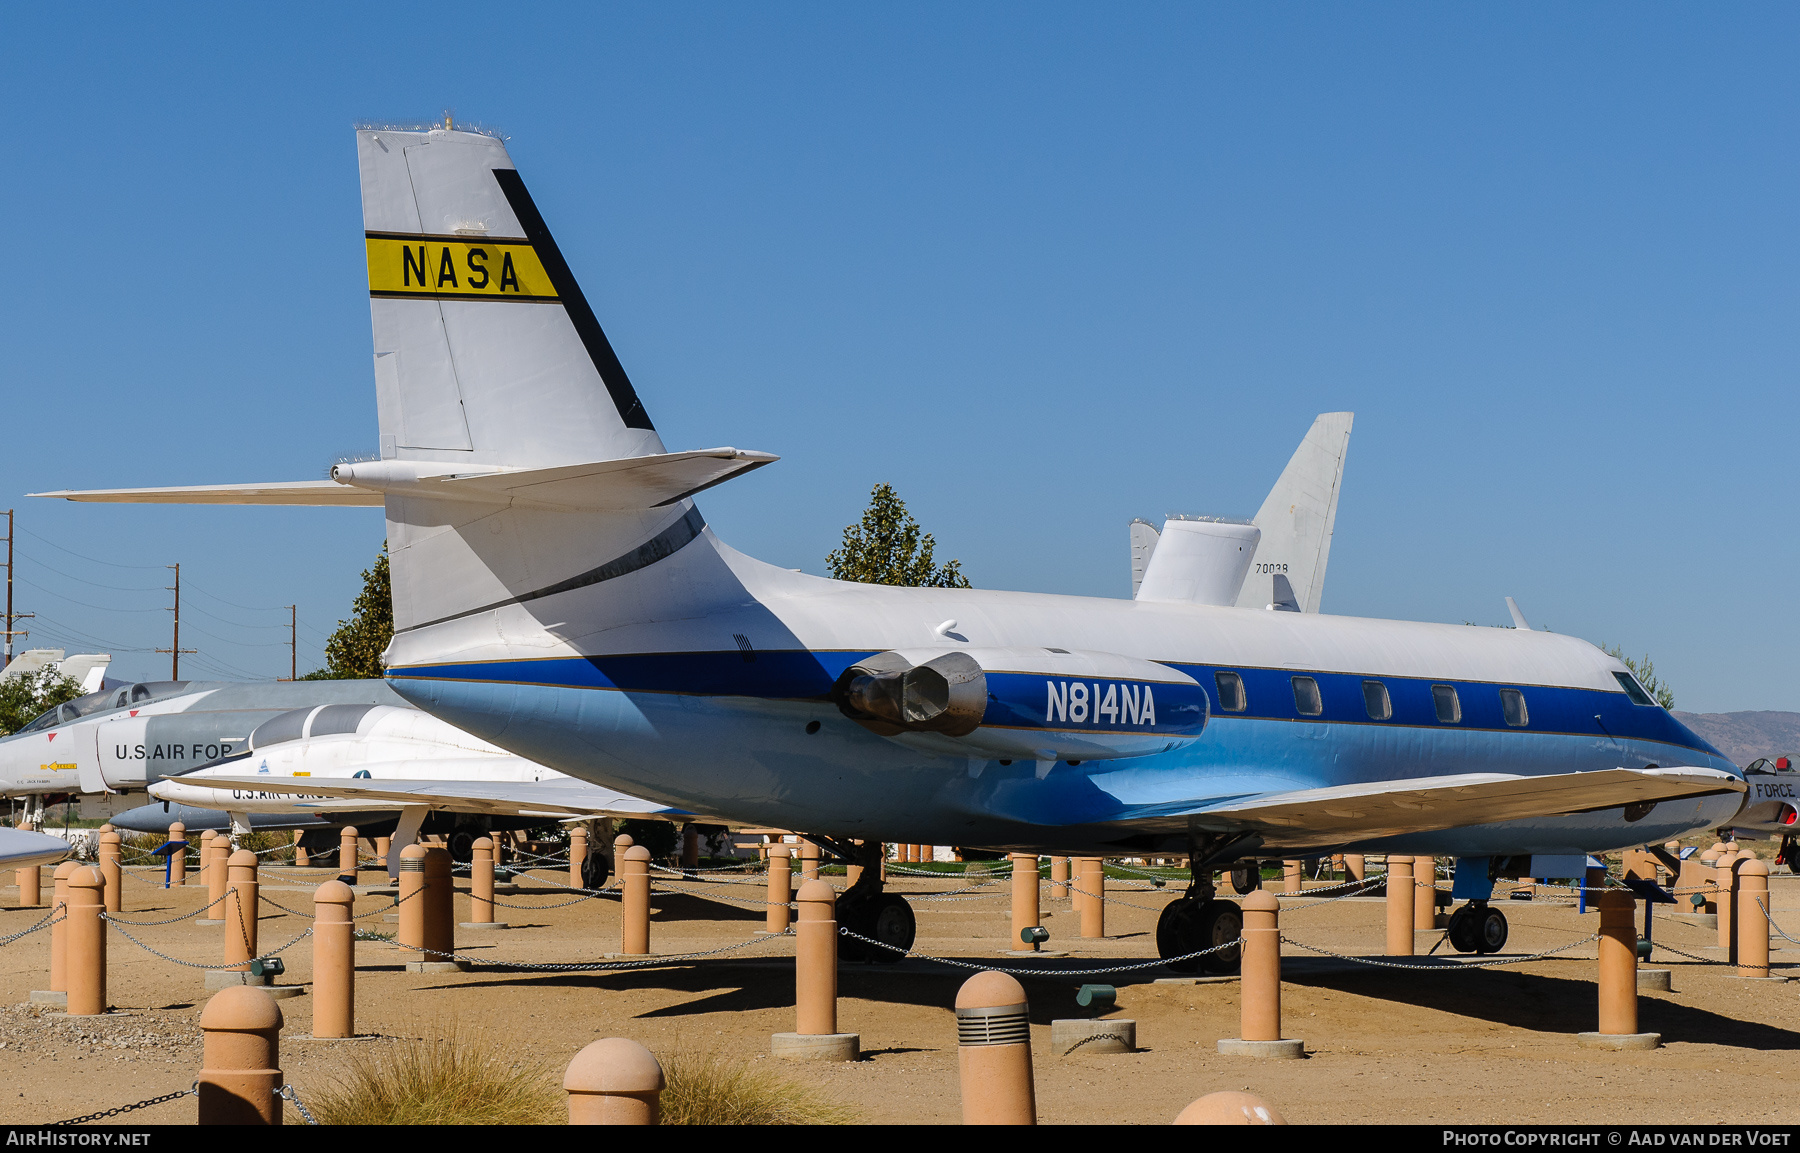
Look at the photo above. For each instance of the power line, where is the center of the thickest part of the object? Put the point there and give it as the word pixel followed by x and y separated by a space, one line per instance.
pixel 85 581
pixel 84 604
pixel 89 559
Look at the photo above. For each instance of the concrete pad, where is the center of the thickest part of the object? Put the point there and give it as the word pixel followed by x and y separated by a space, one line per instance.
pixel 1656 980
pixel 224 979
pixel 1287 1049
pixel 49 997
pixel 434 966
pixel 1218 979
pixel 210 921
pixel 1088 1037
pixel 482 925
pixel 1033 952
pixel 1619 1041
pixel 816 1047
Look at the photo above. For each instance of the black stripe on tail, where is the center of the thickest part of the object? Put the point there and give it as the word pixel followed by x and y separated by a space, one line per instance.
pixel 600 350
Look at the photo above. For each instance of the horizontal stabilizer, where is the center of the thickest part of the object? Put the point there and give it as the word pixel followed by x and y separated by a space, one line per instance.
pixel 298 492
pixel 1347 813
pixel 636 482
pixel 560 797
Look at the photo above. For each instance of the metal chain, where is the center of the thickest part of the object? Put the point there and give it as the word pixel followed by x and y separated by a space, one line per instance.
pixel 307 932
pixel 50 919
pixel 575 966
pixel 287 1093
pixel 1365 883
pixel 1766 915
pixel 1232 944
pixel 1689 956
pixel 1110 900
pixel 1287 940
pixel 190 1091
pixel 723 897
pixel 172 920
pixel 555 905
pixel 1092 1037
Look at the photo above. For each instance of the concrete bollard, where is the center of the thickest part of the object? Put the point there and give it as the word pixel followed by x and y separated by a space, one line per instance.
pixel 993 1050
pixel 780 890
pixel 302 859
pixel 634 911
pixel 1399 906
pixel 809 861
pixel 178 861
pixel 213 855
pixel 410 903
pixel 1753 919
pixel 1725 879
pixel 1290 876
pixel 1707 876
pixel 347 852
pixel 1353 870
pixel 239 913
pixel 1230 1109
pixel 440 913
pixel 1090 881
pixel 1025 914
pixel 614 1082
pixel 578 851
pixel 111 857
pixel 1618 977
pixel 815 1036
pixel 30 887
pixel 1259 1011
pixel 690 846
pixel 85 943
pixel 621 843
pixel 382 845
pixel 334 960
pixel 1059 878
pixel 240 1079
pixel 1424 894
pixel 59 932
pixel 481 887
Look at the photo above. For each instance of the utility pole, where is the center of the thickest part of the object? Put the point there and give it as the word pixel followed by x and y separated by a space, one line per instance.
pixel 11 616
pixel 293 642
pixel 176 650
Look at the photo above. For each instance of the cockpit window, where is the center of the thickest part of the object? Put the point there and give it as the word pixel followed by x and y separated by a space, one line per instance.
pixel 140 692
pixel 1632 689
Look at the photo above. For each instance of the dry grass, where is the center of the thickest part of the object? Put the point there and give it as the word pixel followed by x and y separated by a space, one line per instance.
pixel 716 1090
pixel 454 1080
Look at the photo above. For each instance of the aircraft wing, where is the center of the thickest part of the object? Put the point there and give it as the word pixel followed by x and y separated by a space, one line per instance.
pixel 1346 813
pixel 298 492
pixel 558 799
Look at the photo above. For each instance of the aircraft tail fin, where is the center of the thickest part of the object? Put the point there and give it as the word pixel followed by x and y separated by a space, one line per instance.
pixel 1298 517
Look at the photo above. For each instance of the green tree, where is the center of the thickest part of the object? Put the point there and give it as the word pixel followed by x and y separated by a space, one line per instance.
pixel 354 650
pixel 1644 669
pixel 24 697
pixel 887 548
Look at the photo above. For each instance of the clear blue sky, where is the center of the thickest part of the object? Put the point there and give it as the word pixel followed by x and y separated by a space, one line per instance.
pixel 1042 268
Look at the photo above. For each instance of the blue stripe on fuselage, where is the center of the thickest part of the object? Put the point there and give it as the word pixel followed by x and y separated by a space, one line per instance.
pixel 800 674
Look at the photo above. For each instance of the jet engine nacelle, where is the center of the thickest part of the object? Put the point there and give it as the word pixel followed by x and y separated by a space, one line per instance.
pixel 1024 703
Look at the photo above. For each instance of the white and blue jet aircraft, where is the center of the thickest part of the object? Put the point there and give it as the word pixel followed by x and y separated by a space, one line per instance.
pixel 558 592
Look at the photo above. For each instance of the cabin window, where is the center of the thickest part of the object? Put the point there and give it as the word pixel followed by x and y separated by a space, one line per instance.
pixel 1449 709
pixel 1306 697
pixel 1632 689
pixel 1231 692
pixel 1375 699
pixel 1512 703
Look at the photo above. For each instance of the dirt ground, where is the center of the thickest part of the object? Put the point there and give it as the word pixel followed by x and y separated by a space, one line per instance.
pixel 1447 1045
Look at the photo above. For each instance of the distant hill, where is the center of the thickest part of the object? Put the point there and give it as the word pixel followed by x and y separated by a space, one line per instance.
pixel 1746 736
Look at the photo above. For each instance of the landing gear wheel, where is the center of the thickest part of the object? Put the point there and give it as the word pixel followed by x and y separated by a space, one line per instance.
pixel 1188 926
pixel 462 845
pixel 1492 935
pixel 885 917
pixel 594 870
pixel 1789 854
pixel 1465 928
pixel 1246 877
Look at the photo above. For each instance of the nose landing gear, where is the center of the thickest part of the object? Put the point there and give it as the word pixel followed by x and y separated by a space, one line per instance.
pixel 1477 928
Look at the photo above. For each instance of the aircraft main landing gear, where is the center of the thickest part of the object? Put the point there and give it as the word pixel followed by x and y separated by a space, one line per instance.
pixel 1198 919
pixel 1477 928
pixel 866 909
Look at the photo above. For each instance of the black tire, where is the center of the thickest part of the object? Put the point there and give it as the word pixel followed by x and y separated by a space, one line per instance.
pixel 1464 929
pixel 885 917
pixel 1491 937
pixel 1246 877
pixel 1187 926
pixel 1221 921
pixel 595 868
pixel 462 844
